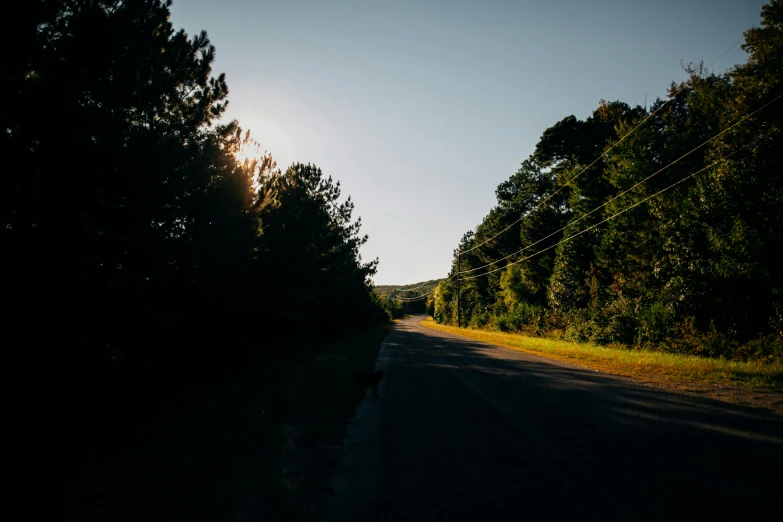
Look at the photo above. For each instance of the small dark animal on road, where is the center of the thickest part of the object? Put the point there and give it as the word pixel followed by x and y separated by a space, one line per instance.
pixel 372 379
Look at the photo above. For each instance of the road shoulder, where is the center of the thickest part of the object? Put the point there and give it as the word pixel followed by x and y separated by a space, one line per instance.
pixel 767 399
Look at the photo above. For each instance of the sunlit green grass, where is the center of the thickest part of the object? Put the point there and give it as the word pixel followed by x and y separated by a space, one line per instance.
pixel 674 369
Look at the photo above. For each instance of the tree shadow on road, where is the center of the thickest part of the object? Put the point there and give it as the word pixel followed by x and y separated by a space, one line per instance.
pixel 497 427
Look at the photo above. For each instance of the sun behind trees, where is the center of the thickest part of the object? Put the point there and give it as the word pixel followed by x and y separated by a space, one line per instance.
pixel 694 270
pixel 130 230
pixel 143 262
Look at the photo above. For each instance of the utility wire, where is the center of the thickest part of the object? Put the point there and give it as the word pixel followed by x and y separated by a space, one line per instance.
pixel 568 238
pixel 631 188
pixel 588 228
pixel 422 295
pixel 413 289
pixel 607 151
pixel 610 217
pixel 408 299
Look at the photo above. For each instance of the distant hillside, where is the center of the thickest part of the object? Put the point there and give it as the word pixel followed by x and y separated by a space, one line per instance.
pixel 389 290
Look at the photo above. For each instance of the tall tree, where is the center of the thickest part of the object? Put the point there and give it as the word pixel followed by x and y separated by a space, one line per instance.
pixel 743 195
pixel 126 179
pixel 310 251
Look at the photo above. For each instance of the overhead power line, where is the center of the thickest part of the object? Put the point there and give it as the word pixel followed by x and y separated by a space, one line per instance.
pixel 550 196
pixel 422 296
pixel 459 273
pixel 568 238
pixel 583 216
pixel 416 288
pixel 588 228
pixel 572 236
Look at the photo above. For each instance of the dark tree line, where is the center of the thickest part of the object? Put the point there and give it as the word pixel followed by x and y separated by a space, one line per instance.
pixel 130 230
pixel 696 269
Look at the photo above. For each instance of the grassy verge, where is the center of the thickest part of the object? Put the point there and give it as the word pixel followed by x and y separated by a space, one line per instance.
pixel 679 371
pixel 258 444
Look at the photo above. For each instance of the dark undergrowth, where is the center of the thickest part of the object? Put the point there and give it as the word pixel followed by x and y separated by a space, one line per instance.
pixel 250 440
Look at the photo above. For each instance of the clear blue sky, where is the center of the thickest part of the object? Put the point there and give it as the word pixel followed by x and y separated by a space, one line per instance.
pixel 421 108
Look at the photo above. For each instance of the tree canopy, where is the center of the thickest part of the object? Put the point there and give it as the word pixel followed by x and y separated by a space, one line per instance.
pixel 129 226
pixel 693 269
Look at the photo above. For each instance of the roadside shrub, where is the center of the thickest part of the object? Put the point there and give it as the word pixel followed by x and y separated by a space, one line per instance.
pixel 656 323
pixel 767 348
pixel 524 317
pixel 621 321
pixel 530 317
pixel 694 341
pixel 554 323
pixel 504 323
pixel 479 319
pixel 577 326
pixel 715 344
pixel 555 319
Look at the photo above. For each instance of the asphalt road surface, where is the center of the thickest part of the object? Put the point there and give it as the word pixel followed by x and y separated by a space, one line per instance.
pixel 464 430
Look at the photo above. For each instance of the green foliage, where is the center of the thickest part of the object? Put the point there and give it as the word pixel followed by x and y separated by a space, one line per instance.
pixel 398 308
pixel 420 288
pixel 523 318
pixel 444 305
pixel 516 287
pixel 695 270
pixel 656 324
pixel 132 214
pixel 393 307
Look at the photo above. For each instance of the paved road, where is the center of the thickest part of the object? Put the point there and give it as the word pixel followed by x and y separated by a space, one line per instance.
pixel 468 431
